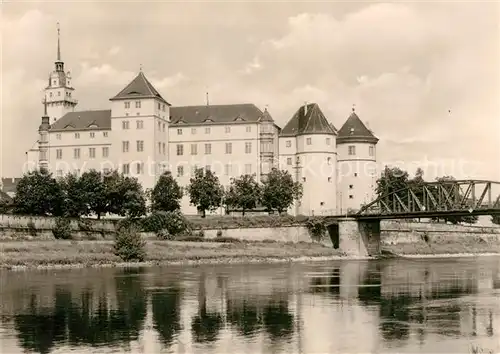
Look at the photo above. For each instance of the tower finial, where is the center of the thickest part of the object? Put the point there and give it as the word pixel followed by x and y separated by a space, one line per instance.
pixel 58 42
pixel 354 107
pixel 45 107
pixel 140 67
pixel 208 102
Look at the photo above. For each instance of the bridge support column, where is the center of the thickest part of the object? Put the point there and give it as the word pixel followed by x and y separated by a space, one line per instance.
pixel 359 238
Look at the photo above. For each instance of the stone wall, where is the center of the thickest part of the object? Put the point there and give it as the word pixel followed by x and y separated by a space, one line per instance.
pixel 397 232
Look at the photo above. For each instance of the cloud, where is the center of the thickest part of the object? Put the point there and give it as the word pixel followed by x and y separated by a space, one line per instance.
pixel 253 66
pixel 114 50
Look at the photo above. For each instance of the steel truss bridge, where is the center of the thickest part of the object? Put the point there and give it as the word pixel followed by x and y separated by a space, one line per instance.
pixel 434 200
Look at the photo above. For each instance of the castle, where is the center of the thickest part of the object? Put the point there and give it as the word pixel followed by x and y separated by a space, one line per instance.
pixel 143 135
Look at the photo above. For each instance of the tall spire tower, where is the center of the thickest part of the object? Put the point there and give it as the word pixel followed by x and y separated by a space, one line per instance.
pixel 59 93
pixel 43 140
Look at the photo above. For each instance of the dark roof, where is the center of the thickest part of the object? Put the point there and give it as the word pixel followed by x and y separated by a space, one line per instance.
pixel 245 112
pixel 311 122
pixel 140 87
pixel 266 117
pixel 9 184
pixel 84 120
pixel 354 130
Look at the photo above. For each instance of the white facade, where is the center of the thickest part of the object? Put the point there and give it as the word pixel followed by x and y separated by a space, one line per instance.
pixel 142 135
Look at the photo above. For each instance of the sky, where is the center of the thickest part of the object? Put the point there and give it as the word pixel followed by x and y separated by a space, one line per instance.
pixel 424 76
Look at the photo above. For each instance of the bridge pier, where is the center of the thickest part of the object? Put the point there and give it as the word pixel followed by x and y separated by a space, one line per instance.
pixel 359 238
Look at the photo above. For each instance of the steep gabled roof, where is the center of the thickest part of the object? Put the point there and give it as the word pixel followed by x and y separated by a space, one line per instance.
pixel 85 120
pixel 354 130
pixel 228 113
pixel 140 87
pixel 308 120
pixel 266 117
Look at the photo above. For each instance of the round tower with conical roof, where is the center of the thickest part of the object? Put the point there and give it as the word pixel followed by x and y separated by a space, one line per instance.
pixel 308 152
pixel 357 165
pixel 43 140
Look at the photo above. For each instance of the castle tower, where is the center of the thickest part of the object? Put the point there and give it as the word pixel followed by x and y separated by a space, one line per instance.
pixel 43 141
pixel 308 151
pixel 59 92
pixel 139 131
pixel 357 164
pixel 268 144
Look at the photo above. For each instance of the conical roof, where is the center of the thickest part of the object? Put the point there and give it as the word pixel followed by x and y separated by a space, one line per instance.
pixel 139 87
pixel 308 120
pixel 354 130
pixel 266 117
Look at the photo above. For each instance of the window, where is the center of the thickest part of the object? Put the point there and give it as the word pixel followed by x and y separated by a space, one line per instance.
pixel 288 143
pixel 51 92
pixel 127 105
pixel 248 148
pixel 329 179
pixel 92 153
pixel 227 169
pixel 125 146
pixel 159 126
pixel 249 129
pixel 193 131
pixel 308 141
pixel 355 174
pixel 159 148
pixel 140 145
pixel 180 171
pixel 351 186
pixel 180 149
pixel 194 149
pixel 329 160
pixel 179 131
pixel 126 169
pixel 137 104
pixel 59 93
pixel 207 130
pixel 229 148
pixel 289 161
pixel 77 135
pixel 228 129
pixel 328 141
pixel 76 153
pixel 208 149
pixel 140 124
pixel 105 151
pixel 248 169
pixel 371 151
pixel 106 171
pixel 351 196
pixel 351 150
pixel 59 173
pixel 163 149
pixel 163 127
pixel 125 124
pixel 105 134
pixel 207 168
pixel 139 168
pixel 59 154
pixel 92 135
pixel 159 106
pixel 303 179
pixel 163 108
pixel 58 136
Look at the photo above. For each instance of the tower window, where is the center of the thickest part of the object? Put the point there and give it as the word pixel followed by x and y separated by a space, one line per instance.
pixel 59 93
pixel 351 196
pixel 105 134
pixel 355 174
pixel 303 179
pixel 328 141
pixel 329 160
pixel 288 143
pixel 351 186
pixel 163 127
pixel 351 150
pixel 308 141
pixel 50 94
pixel 329 179
pixel 159 106
pixel 289 161
pixel 371 151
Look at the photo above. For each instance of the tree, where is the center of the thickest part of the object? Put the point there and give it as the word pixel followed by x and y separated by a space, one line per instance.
pixel 133 202
pixel 94 192
pixel 205 191
pixel 166 194
pixel 38 193
pixel 73 194
pixel 392 180
pixel 279 191
pixel 495 219
pixel 244 193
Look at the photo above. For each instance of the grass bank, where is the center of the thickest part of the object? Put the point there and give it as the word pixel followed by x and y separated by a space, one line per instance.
pixel 65 253
pixel 470 246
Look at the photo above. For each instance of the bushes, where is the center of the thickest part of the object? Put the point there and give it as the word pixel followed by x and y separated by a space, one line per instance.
pixel 316 228
pixel 172 221
pixel 129 245
pixel 62 229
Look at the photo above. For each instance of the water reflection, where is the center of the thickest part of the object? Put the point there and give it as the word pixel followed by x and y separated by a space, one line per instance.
pixel 393 305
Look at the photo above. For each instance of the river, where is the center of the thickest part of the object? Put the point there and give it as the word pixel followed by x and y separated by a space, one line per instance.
pixel 387 306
